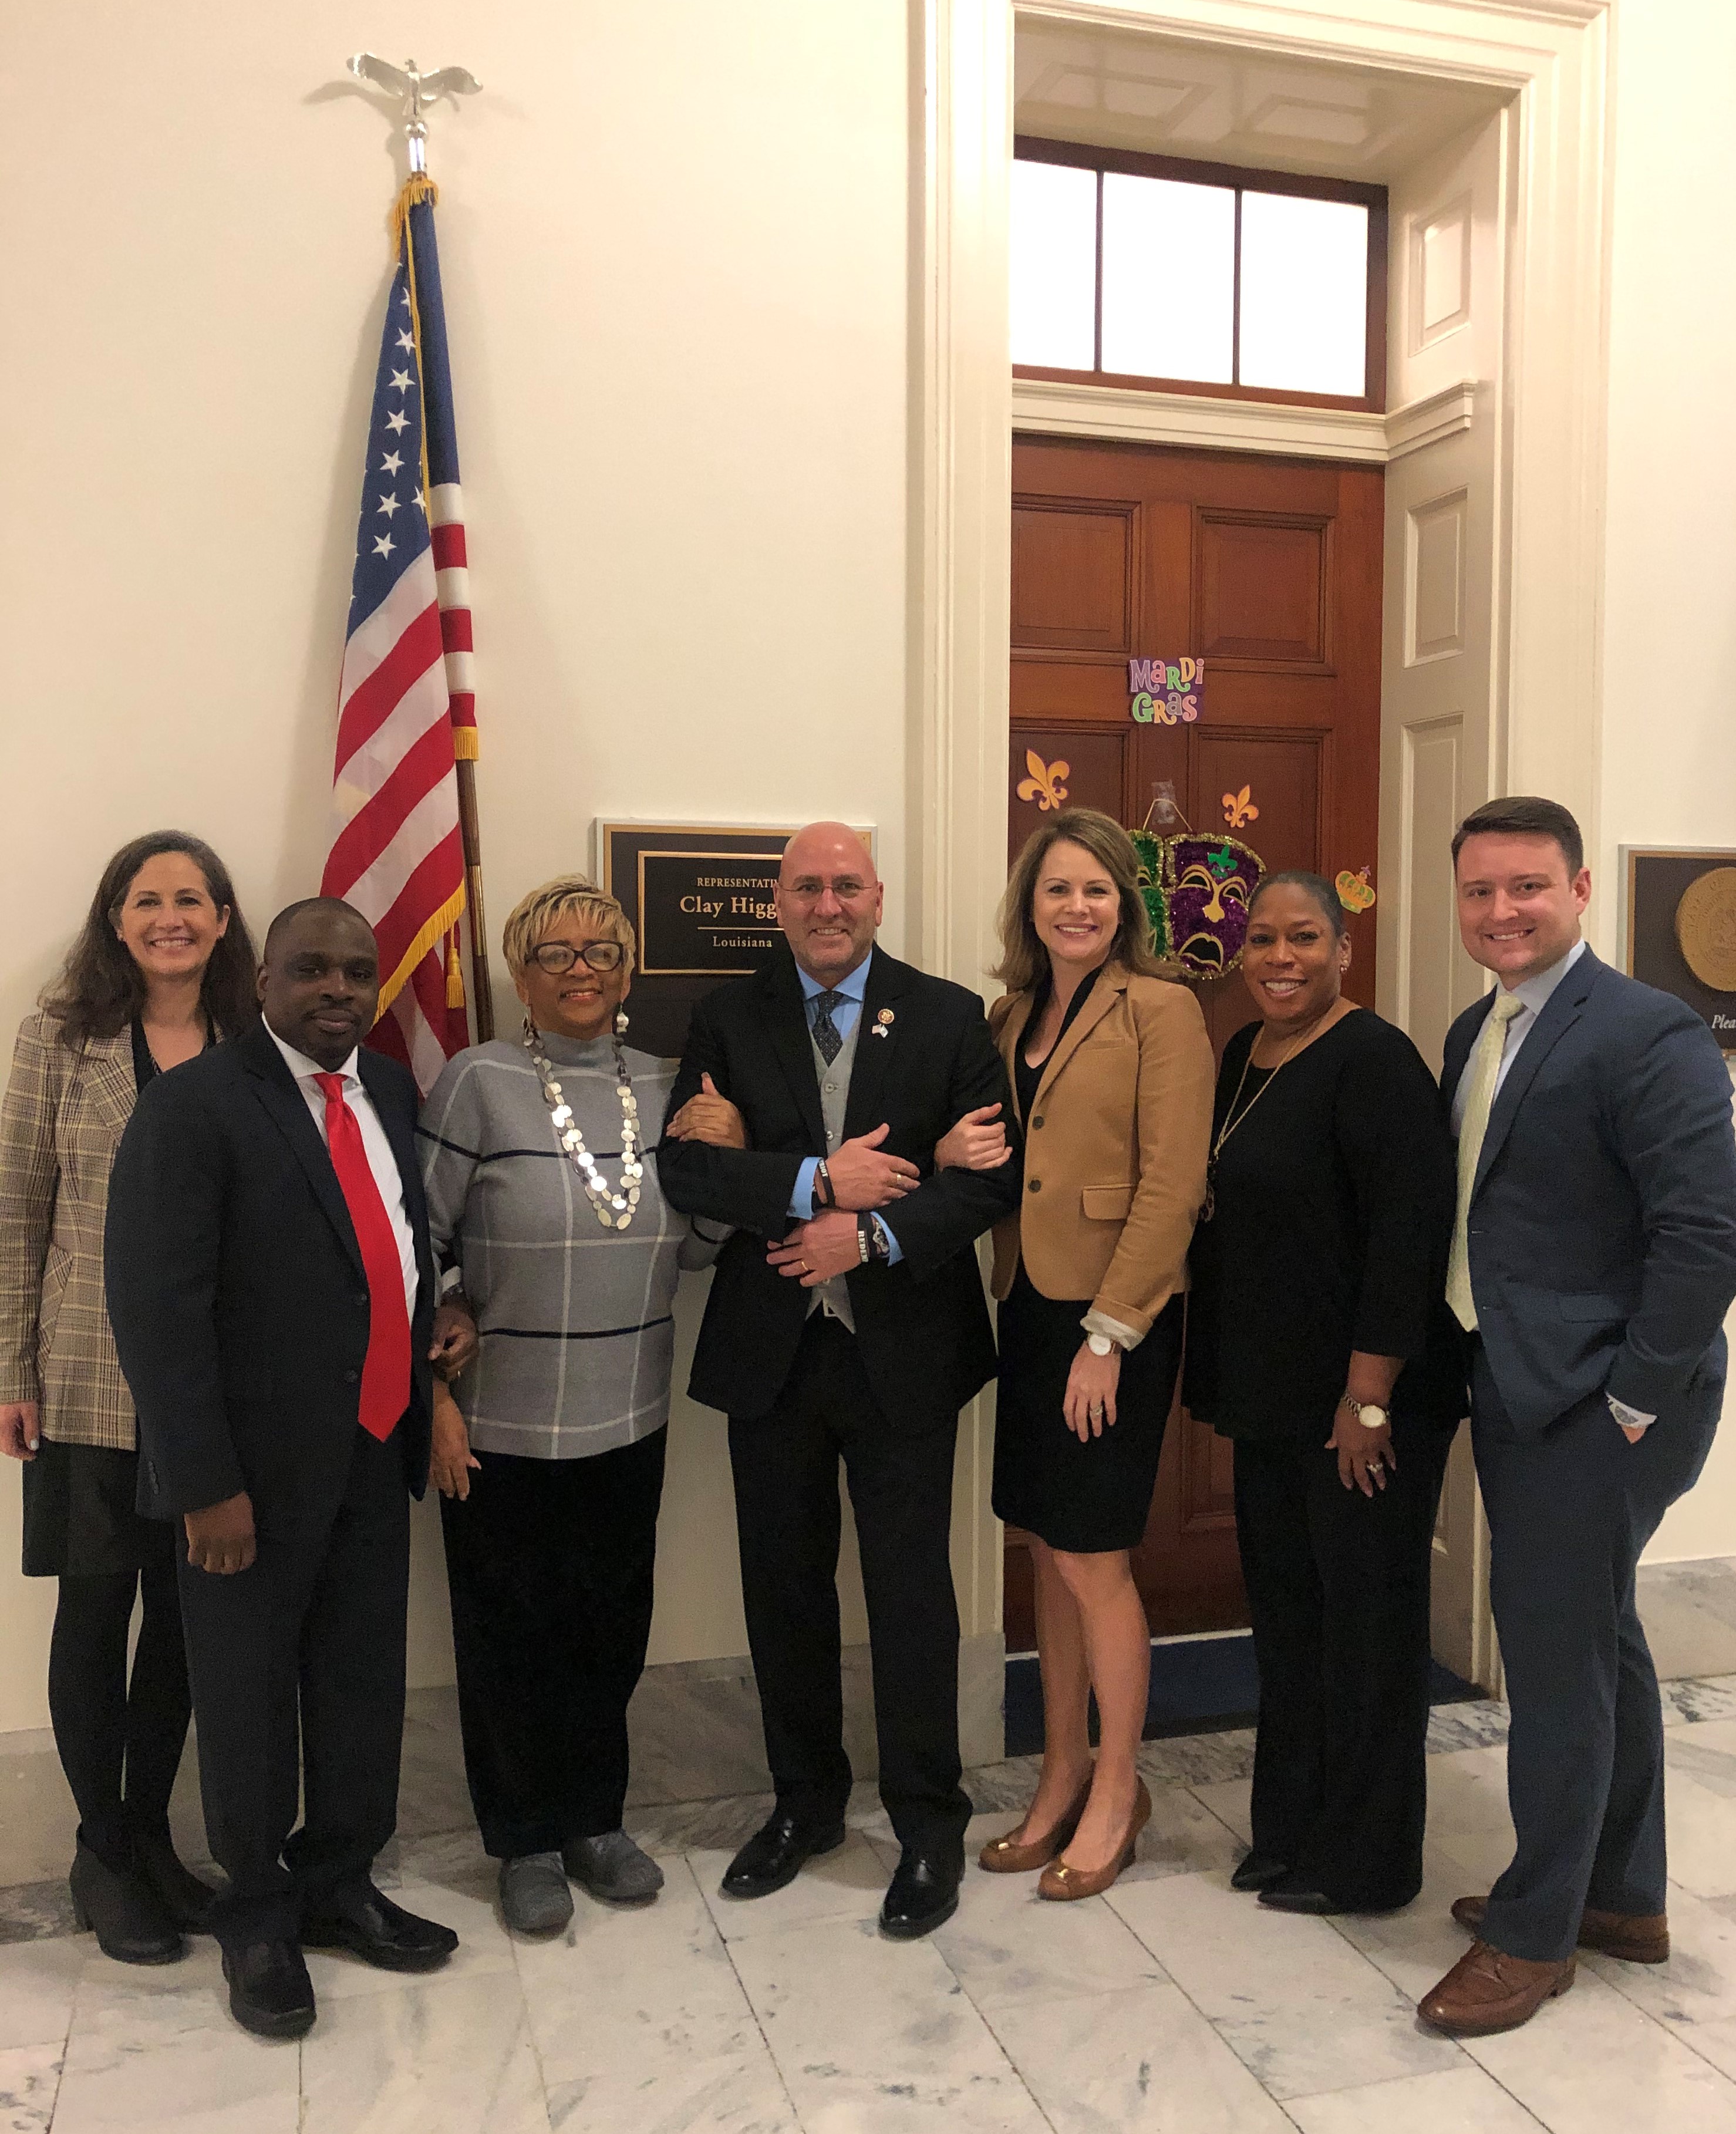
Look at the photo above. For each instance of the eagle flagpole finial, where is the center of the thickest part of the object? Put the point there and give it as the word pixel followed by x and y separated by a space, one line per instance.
pixel 417 91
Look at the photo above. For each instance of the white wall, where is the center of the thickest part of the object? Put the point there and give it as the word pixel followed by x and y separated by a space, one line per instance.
pixel 675 248
pixel 1668 743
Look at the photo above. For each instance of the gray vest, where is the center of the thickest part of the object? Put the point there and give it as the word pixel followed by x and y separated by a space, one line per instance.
pixel 834 1096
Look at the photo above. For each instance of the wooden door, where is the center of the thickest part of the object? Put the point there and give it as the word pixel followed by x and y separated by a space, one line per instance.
pixel 1270 571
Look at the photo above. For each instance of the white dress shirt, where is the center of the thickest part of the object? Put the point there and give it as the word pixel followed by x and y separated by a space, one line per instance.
pixel 381 1161
pixel 1535 992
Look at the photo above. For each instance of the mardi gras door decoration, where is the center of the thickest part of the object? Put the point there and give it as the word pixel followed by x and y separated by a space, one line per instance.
pixel 1165 692
pixel 1197 890
pixel 1044 786
pixel 1356 892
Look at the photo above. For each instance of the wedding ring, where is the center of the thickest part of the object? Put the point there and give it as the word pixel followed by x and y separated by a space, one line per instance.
pixel 804 1267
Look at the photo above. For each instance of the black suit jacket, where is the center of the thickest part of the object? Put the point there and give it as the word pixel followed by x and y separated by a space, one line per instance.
pixel 922 1326
pixel 1603 1220
pixel 236 1288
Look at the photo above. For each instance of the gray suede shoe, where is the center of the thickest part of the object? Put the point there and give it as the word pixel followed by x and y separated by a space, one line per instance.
pixel 534 1894
pixel 612 1866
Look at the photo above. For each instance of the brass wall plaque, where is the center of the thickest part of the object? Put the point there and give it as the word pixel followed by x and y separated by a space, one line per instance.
pixel 1679 925
pixel 1706 929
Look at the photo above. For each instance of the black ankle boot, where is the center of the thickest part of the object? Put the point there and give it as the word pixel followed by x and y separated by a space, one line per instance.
pixel 129 1921
pixel 184 1901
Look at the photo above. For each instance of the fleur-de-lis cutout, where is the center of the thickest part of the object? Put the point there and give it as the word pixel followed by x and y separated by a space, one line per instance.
pixel 1238 808
pixel 1044 786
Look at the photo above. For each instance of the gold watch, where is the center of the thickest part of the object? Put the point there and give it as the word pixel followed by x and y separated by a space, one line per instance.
pixel 1369 1414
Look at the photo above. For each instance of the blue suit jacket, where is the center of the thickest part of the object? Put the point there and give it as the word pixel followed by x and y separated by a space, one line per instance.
pixel 1603 1220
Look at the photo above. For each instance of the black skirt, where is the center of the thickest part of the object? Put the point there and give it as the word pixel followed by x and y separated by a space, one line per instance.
pixel 1085 1496
pixel 80 1514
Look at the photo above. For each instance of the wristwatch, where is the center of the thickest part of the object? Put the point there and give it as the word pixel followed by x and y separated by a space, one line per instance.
pixel 1099 1344
pixel 1369 1414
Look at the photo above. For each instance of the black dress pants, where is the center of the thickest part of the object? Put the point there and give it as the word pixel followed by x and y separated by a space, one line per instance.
pixel 1337 1586
pixel 120 1740
pixel 312 1631
pixel 1571 1509
pixel 550 1566
pixel 788 1519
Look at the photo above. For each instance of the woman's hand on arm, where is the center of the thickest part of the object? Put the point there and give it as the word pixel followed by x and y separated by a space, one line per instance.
pixel 455 1339
pixel 709 1117
pixel 450 1459
pixel 977 1142
pixel 1366 1457
pixel 1089 1403
pixel 20 1429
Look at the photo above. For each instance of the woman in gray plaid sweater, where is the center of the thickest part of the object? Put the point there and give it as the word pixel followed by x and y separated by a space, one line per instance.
pixel 544 1191
pixel 162 966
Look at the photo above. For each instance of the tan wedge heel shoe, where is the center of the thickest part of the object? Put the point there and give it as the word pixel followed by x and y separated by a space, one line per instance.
pixel 1061 1883
pixel 1001 1855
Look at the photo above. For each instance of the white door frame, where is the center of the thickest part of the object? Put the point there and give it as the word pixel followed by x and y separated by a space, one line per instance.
pixel 1553 57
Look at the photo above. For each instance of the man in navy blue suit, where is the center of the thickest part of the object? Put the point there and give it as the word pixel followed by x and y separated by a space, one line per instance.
pixel 1594 1259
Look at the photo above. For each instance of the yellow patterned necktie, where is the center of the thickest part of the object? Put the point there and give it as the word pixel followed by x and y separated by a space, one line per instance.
pixel 1484 1067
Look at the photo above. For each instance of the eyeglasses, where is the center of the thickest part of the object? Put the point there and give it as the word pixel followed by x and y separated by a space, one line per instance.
pixel 807 889
pixel 557 958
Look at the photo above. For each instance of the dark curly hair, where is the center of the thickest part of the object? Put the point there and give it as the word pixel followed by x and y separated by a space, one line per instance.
pixel 100 988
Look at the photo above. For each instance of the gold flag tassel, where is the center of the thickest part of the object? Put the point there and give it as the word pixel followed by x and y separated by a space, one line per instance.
pixel 417 188
pixel 454 972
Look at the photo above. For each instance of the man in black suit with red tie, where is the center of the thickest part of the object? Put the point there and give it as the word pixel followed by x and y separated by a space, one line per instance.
pixel 272 1293
pixel 846 1321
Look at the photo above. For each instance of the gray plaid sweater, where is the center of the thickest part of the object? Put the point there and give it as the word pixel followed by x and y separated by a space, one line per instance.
pixel 577 1338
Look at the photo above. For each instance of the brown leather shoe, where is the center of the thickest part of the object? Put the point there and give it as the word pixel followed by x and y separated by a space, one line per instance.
pixel 1001 1855
pixel 1488 1991
pixel 1060 1882
pixel 1634 1937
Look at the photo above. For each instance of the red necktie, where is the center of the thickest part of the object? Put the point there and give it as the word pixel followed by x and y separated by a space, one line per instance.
pixel 386 1373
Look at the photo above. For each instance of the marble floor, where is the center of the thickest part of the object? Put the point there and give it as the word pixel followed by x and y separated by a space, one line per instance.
pixel 1171 2004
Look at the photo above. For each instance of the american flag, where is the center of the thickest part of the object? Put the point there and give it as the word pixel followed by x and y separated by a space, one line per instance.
pixel 406 706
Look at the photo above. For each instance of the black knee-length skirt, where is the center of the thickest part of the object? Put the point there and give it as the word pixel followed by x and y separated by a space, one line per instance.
pixel 1085 1496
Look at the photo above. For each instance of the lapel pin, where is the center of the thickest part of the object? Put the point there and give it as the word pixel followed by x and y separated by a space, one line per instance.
pixel 883 1022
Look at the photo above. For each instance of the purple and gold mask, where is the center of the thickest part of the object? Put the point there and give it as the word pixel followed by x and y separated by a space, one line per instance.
pixel 1197 890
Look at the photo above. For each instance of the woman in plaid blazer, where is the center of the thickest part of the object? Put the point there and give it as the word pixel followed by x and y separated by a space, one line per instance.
pixel 162 967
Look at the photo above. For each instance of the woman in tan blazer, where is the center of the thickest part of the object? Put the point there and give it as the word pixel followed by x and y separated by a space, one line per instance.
pixel 163 966
pixel 1112 1071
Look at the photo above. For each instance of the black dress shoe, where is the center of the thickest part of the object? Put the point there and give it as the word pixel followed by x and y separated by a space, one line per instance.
pixel 776 1854
pixel 130 1924
pixel 185 1901
pixel 1315 1904
pixel 270 1992
pixel 382 1934
pixel 1257 1870
pixel 923 1895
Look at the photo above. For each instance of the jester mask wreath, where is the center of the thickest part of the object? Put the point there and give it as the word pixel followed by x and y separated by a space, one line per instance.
pixel 1197 890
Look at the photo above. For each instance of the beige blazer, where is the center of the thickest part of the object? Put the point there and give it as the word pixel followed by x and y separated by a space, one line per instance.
pixel 60 1124
pixel 1115 1148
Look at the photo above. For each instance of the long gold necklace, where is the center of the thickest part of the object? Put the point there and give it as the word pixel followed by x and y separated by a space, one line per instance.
pixel 1233 1119
pixel 614 1211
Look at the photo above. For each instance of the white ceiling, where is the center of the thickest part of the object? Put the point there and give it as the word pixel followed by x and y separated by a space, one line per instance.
pixel 1126 89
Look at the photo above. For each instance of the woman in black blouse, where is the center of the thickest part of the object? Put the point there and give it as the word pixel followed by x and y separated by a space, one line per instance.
pixel 1320 1341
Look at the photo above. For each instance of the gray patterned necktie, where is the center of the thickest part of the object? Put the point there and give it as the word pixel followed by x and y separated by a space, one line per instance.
pixel 825 1034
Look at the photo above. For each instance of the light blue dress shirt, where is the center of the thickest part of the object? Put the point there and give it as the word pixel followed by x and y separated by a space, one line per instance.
pixel 846 1014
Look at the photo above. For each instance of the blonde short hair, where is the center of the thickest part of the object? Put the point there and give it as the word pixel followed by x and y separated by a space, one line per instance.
pixel 1024 959
pixel 567 896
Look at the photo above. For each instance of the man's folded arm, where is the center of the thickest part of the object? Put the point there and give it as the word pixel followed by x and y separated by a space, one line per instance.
pixel 160 1257
pixel 951 1209
pixel 749 1188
